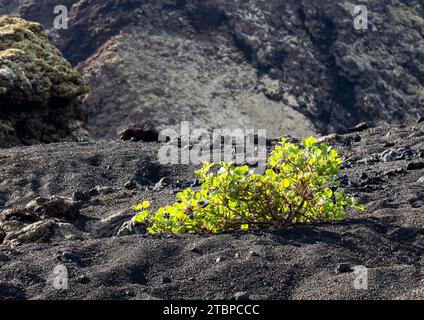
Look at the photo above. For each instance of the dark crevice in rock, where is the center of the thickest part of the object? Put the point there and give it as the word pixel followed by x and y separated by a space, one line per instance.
pixel 204 18
pixel 244 48
pixel 323 35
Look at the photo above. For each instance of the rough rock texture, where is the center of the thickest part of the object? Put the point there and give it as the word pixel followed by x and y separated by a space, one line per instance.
pixel 383 167
pixel 242 63
pixel 36 221
pixel 38 88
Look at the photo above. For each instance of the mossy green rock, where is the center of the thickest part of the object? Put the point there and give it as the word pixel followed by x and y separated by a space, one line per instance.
pixel 38 89
pixel 31 69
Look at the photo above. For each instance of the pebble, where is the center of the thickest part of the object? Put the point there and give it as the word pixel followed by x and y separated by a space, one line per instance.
pixel 344 268
pixel 105 190
pixel 253 253
pixel 242 296
pixel 130 293
pixel 130 185
pixel 195 249
pixel 161 183
pixel 219 259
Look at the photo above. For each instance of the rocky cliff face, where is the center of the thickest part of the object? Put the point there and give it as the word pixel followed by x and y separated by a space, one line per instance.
pixel 296 66
pixel 38 88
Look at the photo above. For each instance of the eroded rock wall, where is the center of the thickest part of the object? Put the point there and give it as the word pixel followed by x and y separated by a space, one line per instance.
pixel 240 63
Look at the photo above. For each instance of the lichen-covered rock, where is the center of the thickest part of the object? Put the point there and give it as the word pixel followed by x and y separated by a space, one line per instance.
pixel 38 87
pixel 31 69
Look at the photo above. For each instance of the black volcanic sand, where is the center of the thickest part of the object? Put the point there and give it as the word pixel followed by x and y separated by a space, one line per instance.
pixel 302 262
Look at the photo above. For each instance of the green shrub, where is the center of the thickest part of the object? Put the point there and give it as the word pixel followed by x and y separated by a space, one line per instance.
pixel 298 186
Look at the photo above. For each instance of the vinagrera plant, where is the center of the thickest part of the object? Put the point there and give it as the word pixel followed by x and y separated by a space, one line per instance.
pixel 298 186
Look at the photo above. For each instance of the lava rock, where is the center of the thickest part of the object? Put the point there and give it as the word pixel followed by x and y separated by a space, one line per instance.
pixel 36 232
pixel 242 296
pixel 57 207
pixel 38 89
pixel 109 225
pixel 3 257
pixel 94 192
pixel 139 133
pixel 359 127
pixel 328 138
pixel 344 268
pixel 393 173
pixel 79 196
pixel 105 190
pixel 43 208
pixel 219 259
pixel 67 257
pixel 83 279
pixel 389 155
pixel 166 280
pixel 195 249
pixel 131 227
pixel 253 253
pixel 415 166
pixel 130 185
pixel 162 183
pixel 394 154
